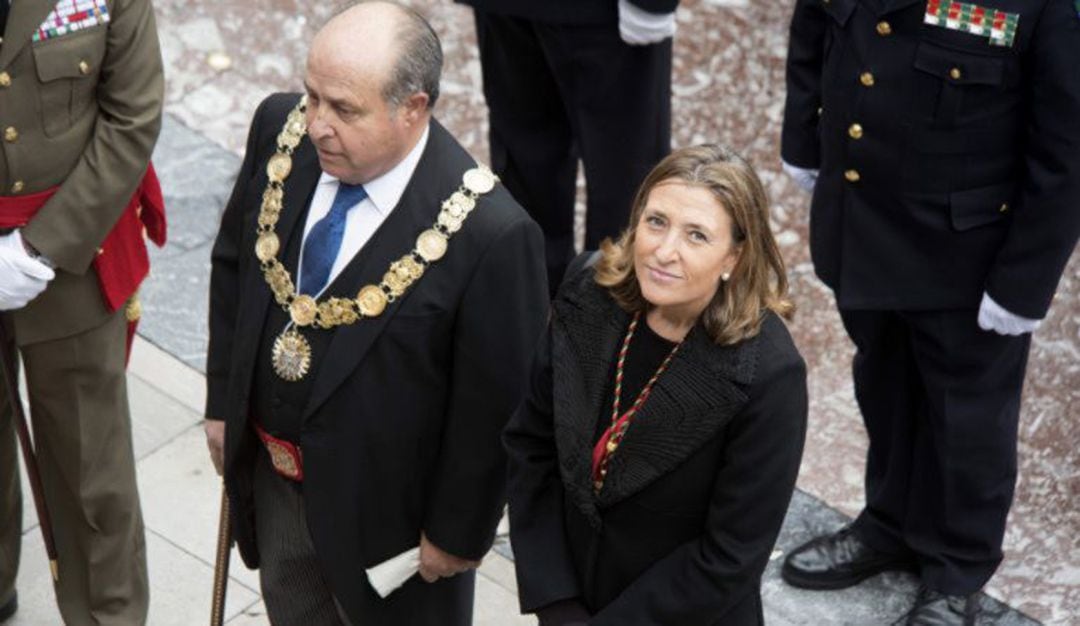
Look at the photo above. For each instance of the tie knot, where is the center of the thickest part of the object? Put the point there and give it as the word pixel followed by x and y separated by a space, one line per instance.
pixel 349 195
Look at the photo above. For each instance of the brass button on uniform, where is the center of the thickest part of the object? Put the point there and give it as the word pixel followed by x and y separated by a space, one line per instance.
pixel 11 135
pixel 84 68
pixel 855 131
pixel 884 28
pixel 100 251
pixel 5 79
pixel 955 73
pixel 1004 207
pixel 867 79
pixel 17 186
pixel 820 110
pixel 852 176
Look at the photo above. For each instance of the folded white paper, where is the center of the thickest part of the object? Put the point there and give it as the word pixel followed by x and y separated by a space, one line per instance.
pixel 392 573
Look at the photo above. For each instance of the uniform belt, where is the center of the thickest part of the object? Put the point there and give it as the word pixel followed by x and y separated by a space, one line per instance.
pixel 285 456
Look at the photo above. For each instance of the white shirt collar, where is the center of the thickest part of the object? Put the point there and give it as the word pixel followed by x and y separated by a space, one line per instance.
pixel 386 190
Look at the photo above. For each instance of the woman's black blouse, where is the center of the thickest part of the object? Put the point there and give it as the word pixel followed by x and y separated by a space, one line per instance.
pixel 647 352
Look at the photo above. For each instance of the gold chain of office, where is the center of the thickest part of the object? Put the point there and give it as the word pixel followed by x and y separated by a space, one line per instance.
pixel 291 351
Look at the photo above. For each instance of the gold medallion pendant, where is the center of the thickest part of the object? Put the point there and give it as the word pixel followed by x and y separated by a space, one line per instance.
pixel 291 355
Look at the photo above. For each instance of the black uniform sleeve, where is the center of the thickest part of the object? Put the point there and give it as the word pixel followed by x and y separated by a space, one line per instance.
pixel 1046 221
pixel 799 144
pixel 656 6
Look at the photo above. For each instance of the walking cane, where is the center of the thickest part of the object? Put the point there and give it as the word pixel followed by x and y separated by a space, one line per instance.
pixel 221 562
pixel 11 381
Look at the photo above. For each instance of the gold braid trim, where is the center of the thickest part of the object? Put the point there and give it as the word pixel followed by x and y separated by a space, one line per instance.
pixel 371 300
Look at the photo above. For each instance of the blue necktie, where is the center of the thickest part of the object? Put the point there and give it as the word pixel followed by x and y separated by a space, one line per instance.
pixel 323 242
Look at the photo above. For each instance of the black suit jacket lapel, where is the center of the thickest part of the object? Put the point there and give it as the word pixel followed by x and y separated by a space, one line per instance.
pixel 415 212
pixel 299 188
pixel 689 405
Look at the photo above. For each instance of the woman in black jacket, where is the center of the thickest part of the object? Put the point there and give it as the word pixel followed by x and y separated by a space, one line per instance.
pixel 654 458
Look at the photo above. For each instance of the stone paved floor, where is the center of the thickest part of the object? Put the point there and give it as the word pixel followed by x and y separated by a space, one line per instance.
pixel 728 87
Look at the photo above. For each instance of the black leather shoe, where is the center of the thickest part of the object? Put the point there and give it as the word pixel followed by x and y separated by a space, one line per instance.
pixel 9 608
pixel 937 609
pixel 837 561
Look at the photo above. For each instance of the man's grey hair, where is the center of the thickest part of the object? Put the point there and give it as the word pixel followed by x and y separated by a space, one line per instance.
pixel 419 63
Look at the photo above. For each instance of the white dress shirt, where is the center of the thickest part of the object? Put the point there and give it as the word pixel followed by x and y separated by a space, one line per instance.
pixel 362 220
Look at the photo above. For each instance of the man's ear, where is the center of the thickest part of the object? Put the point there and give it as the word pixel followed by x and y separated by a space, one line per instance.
pixel 415 108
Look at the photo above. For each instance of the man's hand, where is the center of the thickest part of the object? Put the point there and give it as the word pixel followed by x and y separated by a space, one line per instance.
pixel 639 27
pixel 22 277
pixel 992 316
pixel 436 564
pixel 215 440
pixel 804 178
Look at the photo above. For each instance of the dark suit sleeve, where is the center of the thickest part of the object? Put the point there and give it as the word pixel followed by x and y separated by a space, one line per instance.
pixel 545 571
pixel 225 279
pixel 656 6
pixel 1046 222
pixel 702 579
pixel 799 144
pixel 499 321
pixel 130 92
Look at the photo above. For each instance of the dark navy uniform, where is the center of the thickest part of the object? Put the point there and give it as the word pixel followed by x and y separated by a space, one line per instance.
pixel 948 145
pixel 561 85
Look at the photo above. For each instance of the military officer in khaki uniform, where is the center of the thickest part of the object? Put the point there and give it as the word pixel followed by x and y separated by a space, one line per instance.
pixel 81 91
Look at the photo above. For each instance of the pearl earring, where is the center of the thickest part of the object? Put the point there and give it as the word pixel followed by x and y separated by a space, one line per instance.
pixel 725 276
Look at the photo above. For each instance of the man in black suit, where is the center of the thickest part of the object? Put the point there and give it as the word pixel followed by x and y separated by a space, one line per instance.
pixel 576 79
pixel 944 142
pixel 362 412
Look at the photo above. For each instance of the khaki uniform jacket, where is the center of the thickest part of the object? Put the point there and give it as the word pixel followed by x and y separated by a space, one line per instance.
pixel 82 111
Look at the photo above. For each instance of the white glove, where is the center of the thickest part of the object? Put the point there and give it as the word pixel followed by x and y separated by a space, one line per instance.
pixel 992 316
pixel 802 177
pixel 22 277
pixel 639 27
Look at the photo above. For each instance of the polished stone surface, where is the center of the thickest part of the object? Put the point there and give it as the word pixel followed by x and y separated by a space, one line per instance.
pixel 728 87
pixel 196 175
pixel 881 599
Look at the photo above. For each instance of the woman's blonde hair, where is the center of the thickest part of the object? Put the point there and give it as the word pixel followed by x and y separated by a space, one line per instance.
pixel 758 281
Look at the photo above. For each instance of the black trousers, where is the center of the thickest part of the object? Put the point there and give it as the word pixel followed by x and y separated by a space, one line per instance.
pixel 296 592
pixel 293 587
pixel 941 402
pixel 559 92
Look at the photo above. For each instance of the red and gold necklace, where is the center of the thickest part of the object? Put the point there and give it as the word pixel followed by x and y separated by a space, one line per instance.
pixel 609 442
